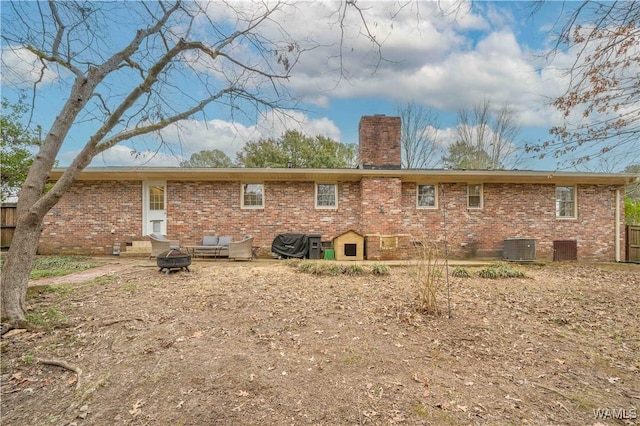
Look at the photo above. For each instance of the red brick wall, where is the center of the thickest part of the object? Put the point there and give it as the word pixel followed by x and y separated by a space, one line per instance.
pixel 381 205
pixel 516 210
pixel 380 138
pixel 195 208
pixel 83 220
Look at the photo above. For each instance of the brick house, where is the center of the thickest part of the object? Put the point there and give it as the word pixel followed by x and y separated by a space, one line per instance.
pixel 393 208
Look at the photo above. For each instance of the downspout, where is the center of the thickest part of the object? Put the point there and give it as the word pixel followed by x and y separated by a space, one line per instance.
pixel 617 233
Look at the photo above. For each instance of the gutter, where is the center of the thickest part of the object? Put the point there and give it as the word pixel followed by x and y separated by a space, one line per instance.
pixel 347 175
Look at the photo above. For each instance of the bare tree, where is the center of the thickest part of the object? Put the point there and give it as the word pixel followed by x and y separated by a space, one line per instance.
pixel 420 127
pixel 601 105
pixel 125 68
pixel 489 136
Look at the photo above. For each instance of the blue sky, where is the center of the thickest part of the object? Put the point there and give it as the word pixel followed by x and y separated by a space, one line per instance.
pixel 494 51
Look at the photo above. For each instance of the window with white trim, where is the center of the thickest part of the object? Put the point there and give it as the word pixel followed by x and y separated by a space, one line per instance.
pixel 326 196
pixel 565 202
pixel 474 196
pixel 426 196
pixel 252 196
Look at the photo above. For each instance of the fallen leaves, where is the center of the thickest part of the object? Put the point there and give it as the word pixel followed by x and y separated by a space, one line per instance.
pixel 137 408
pixel 260 343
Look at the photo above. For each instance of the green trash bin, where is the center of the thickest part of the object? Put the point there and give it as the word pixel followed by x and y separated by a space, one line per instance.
pixel 329 254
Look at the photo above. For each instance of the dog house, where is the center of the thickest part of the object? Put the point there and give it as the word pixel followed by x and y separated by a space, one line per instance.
pixel 349 246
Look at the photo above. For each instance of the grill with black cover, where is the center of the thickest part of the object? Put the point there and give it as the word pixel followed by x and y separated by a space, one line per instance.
pixel 288 246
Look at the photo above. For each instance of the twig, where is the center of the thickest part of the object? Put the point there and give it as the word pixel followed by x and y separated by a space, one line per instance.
pixel 64 365
pixel 85 395
pixel 107 323
pixel 559 392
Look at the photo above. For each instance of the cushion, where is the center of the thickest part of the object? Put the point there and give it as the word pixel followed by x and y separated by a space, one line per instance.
pixel 210 240
pixel 159 237
pixel 224 241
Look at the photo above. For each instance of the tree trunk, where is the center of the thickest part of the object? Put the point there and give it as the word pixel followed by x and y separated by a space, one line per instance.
pixel 17 267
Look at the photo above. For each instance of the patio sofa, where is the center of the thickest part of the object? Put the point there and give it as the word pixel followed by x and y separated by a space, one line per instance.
pixel 212 245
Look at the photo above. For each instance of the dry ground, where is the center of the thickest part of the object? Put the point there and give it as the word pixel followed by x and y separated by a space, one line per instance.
pixel 258 343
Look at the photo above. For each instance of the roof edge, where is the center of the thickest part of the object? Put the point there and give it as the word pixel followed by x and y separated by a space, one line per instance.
pixel 298 174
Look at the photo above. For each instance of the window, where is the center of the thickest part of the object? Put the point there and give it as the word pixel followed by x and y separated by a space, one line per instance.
pixel 474 196
pixel 426 196
pixel 156 197
pixel 565 202
pixel 326 196
pixel 252 195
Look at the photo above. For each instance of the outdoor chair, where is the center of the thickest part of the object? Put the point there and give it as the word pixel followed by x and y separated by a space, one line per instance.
pixel 160 243
pixel 241 250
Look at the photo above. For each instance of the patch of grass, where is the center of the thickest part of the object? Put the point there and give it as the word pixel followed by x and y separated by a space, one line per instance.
pixel 488 272
pixel 420 410
pixel 380 269
pixel 130 288
pixel 461 272
pixel 49 318
pixel 104 280
pixel 309 267
pixel 56 266
pixel 292 262
pixel 28 359
pixel 334 269
pixel 351 356
pixel 582 401
pixel 500 270
pixel 60 290
pixel 354 269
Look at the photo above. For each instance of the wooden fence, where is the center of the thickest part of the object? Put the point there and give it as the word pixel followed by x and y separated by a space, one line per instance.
pixel 8 219
pixel 633 244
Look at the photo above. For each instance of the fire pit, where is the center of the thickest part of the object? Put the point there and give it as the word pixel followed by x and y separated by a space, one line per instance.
pixel 173 260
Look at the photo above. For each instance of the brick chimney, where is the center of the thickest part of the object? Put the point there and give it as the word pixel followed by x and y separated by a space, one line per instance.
pixel 380 142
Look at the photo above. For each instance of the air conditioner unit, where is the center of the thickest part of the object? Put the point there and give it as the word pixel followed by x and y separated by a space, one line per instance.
pixel 519 249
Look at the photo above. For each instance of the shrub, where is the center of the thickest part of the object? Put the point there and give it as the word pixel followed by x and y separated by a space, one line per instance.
pixel 310 267
pixel 488 272
pixel 428 277
pixel 380 269
pixel 507 271
pixel 460 272
pixel 334 269
pixel 500 270
pixel 354 269
pixel 292 262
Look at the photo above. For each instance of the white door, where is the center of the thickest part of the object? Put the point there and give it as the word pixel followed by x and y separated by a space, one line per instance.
pixel 155 211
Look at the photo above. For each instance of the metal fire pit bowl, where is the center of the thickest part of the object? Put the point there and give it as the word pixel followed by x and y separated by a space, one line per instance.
pixel 173 260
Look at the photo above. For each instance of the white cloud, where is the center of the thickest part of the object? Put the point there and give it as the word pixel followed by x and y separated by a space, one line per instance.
pixel 22 68
pixel 124 155
pixel 446 62
pixel 191 136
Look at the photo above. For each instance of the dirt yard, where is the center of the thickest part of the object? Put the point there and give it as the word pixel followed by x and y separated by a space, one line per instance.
pixel 259 343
